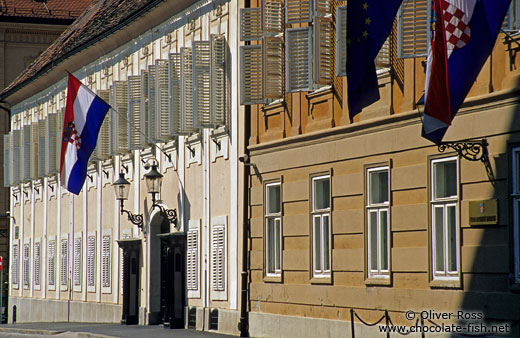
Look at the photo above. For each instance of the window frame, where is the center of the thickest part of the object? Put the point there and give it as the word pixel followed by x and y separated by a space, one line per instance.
pixel 321 275
pixel 444 278
pixel 276 275
pixel 377 276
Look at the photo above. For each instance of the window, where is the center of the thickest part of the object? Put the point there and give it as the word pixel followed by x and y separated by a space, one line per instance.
pixel 77 262
pixel 378 222
pixel 516 211
pixel 26 265
pixel 512 20
pixel 218 258
pixel 444 218
pixel 51 261
pixel 105 263
pixel 192 259
pixel 273 231
pixel 15 265
pixel 321 248
pixel 413 24
pixel 37 264
pixel 91 262
pixel 64 263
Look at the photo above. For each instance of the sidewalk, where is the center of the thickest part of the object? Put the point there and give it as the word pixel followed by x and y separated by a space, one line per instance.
pixel 87 330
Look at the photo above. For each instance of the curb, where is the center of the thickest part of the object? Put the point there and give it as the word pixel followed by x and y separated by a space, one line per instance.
pixel 53 333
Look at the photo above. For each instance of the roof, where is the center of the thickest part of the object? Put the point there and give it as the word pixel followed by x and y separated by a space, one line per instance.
pixel 96 22
pixel 49 9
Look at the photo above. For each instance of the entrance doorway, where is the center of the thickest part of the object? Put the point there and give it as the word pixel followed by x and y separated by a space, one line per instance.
pixel 131 251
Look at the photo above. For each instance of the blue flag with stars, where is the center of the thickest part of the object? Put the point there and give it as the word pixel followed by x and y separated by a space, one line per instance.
pixel 368 25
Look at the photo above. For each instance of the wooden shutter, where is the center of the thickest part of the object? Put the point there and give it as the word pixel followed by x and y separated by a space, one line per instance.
pixel 150 106
pixel 34 150
pixel 42 147
pixel 383 57
pixel 187 91
pixel 250 24
pixel 175 90
pixel 323 7
pixel 297 11
pixel 201 84
pixel 413 33
pixel 102 151
pixel 26 152
pixel 91 261
pixel 37 263
pixel 299 59
pixel 105 261
pixel 64 264
pixel 26 266
pixel 17 156
pixel 7 159
pixel 272 16
pixel 192 257
pixel 251 74
pixel 51 151
pixel 218 251
pixel 161 101
pixel 324 54
pixel 77 261
pixel 341 40
pixel 15 264
pixel 219 81
pixel 273 72
pixel 137 125
pixel 119 127
pixel 51 264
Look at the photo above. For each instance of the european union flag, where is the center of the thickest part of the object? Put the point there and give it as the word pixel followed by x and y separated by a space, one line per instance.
pixel 368 24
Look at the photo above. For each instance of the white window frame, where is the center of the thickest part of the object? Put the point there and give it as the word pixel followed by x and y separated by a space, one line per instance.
pixel 37 264
pixel 77 270
pixel 26 263
pixel 64 257
pixel 515 196
pixel 277 223
pixel 51 259
pixel 321 214
pixel 219 222
pixel 193 230
pixel 378 209
pixel 445 202
pixel 106 258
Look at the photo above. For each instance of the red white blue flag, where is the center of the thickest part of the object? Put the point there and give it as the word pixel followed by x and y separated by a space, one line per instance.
pixel 464 35
pixel 84 114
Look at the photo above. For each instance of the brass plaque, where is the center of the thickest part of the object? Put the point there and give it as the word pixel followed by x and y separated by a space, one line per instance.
pixel 483 212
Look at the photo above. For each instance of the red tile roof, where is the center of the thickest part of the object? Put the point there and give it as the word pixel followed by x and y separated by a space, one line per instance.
pixel 50 9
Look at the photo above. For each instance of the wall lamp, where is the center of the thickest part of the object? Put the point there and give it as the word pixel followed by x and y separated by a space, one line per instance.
pixel 153 185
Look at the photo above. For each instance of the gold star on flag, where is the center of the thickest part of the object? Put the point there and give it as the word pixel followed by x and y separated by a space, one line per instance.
pixel 367 21
pixel 349 41
pixel 365 34
pixel 365 6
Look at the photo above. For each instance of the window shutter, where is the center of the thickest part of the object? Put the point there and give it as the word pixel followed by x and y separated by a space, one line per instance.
pixel 77 261
pixel 7 159
pixel 42 148
pixel 192 260
pixel 150 107
pixel 413 22
pixel 273 73
pixel 272 16
pixel 17 157
pixel 175 91
pixel 323 42
pixel 218 258
pixel 201 84
pixel 51 257
pixel 37 262
pixel 34 150
pixel 102 151
pixel 105 262
pixel 119 139
pixel 91 261
pixel 383 57
pixel 297 11
pixel 219 81
pixel 187 91
pixel 26 152
pixel 251 74
pixel 250 24
pixel 299 59
pixel 51 152
pixel 161 101
pixel 64 264
pixel 26 267
pixel 134 112
pixel 16 263
pixel 323 7
pixel 341 41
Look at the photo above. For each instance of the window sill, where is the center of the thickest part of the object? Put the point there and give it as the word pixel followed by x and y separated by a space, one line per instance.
pixel 273 279
pixel 378 281
pixel 321 280
pixel 445 284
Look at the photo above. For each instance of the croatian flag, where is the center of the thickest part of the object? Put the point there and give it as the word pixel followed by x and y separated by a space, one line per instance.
pixel 84 114
pixel 464 36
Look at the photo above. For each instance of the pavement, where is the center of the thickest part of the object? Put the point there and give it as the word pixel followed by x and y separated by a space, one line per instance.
pixel 88 330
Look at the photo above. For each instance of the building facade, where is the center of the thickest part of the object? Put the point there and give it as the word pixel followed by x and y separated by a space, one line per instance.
pixel 168 69
pixel 365 220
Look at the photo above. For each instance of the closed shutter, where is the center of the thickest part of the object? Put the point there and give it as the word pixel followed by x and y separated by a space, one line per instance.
pixel 297 11
pixel 42 147
pixel 102 151
pixel 34 150
pixel 15 264
pixel 91 261
pixel 272 16
pixel 218 251
pixel 51 262
pixel 7 159
pixel 201 84
pixel 273 72
pixel 26 266
pixel 219 81
pixel 175 90
pixel 77 261
pixel 299 59
pixel 383 57
pixel 413 28
pixel 251 74
pixel 324 55
pixel 64 264
pixel 323 7
pixel 250 24
pixel 51 151
pixel 161 101
pixel 341 41
pixel 26 152
pixel 134 112
pixel 37 263
pixel 193 260
pixel 105 261
pixel 119 127
pixel 150 116
pixel 144 133
pixel 17 156
pixel 187 91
